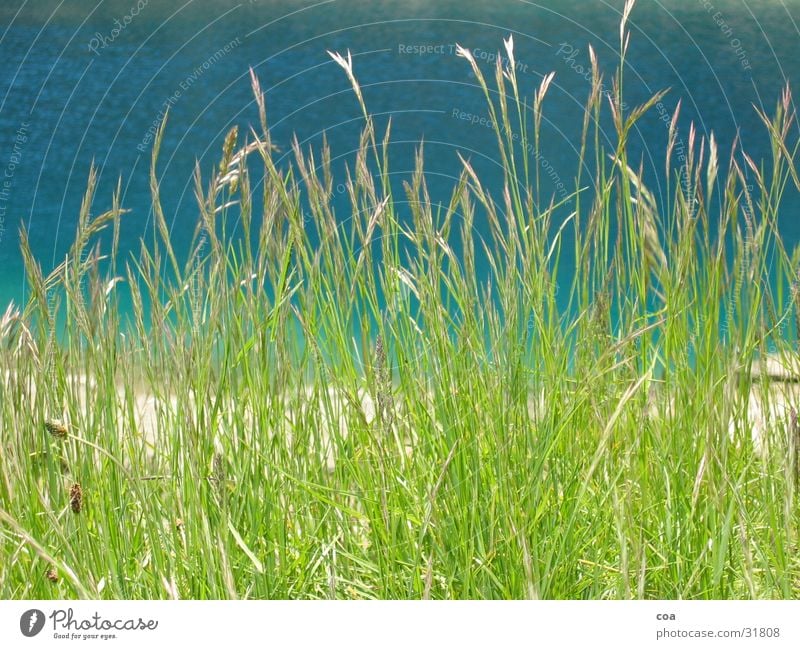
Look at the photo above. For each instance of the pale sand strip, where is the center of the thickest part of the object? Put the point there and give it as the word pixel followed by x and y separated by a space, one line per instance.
pixel 771 409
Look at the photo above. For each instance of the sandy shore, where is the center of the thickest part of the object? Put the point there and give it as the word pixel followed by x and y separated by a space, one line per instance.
pixel 143 415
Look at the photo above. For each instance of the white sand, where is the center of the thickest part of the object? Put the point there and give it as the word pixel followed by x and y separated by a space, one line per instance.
pixel 769 410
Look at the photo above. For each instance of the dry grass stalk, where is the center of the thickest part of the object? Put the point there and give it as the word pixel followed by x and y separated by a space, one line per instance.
pixel 794 445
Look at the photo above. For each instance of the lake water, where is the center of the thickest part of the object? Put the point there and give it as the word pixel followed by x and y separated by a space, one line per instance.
pixel 85 82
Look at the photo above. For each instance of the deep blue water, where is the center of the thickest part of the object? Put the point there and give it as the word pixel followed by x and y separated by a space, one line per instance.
pixel 77 88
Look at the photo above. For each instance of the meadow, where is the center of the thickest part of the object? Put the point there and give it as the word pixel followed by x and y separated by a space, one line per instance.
pixel 307 406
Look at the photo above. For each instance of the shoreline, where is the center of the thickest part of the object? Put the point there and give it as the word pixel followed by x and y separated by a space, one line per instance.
pixel 772 404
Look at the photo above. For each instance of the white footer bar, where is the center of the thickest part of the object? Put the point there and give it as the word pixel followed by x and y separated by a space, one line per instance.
pixel 401 625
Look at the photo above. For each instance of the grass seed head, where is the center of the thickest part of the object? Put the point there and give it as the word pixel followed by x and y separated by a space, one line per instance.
pixel 56 428
pixel 217 469
pixel 384 381
pixel 380 355
pixel 76 498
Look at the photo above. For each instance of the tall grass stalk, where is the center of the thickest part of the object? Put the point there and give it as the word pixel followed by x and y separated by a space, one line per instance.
pixel 353 409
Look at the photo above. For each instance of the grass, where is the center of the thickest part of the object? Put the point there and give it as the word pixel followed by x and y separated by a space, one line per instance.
pixel 348 410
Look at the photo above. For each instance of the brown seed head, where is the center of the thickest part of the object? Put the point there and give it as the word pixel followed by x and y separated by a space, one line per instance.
pixel 56 428
pixel 218 472
pixel 76 498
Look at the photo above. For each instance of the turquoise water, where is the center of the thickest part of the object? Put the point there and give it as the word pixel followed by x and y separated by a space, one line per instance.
pixel 89 82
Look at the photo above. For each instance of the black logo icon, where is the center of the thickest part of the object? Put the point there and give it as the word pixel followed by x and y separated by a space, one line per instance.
pixel 31 622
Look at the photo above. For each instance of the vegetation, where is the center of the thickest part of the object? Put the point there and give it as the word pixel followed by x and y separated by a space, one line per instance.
pixel 350 410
